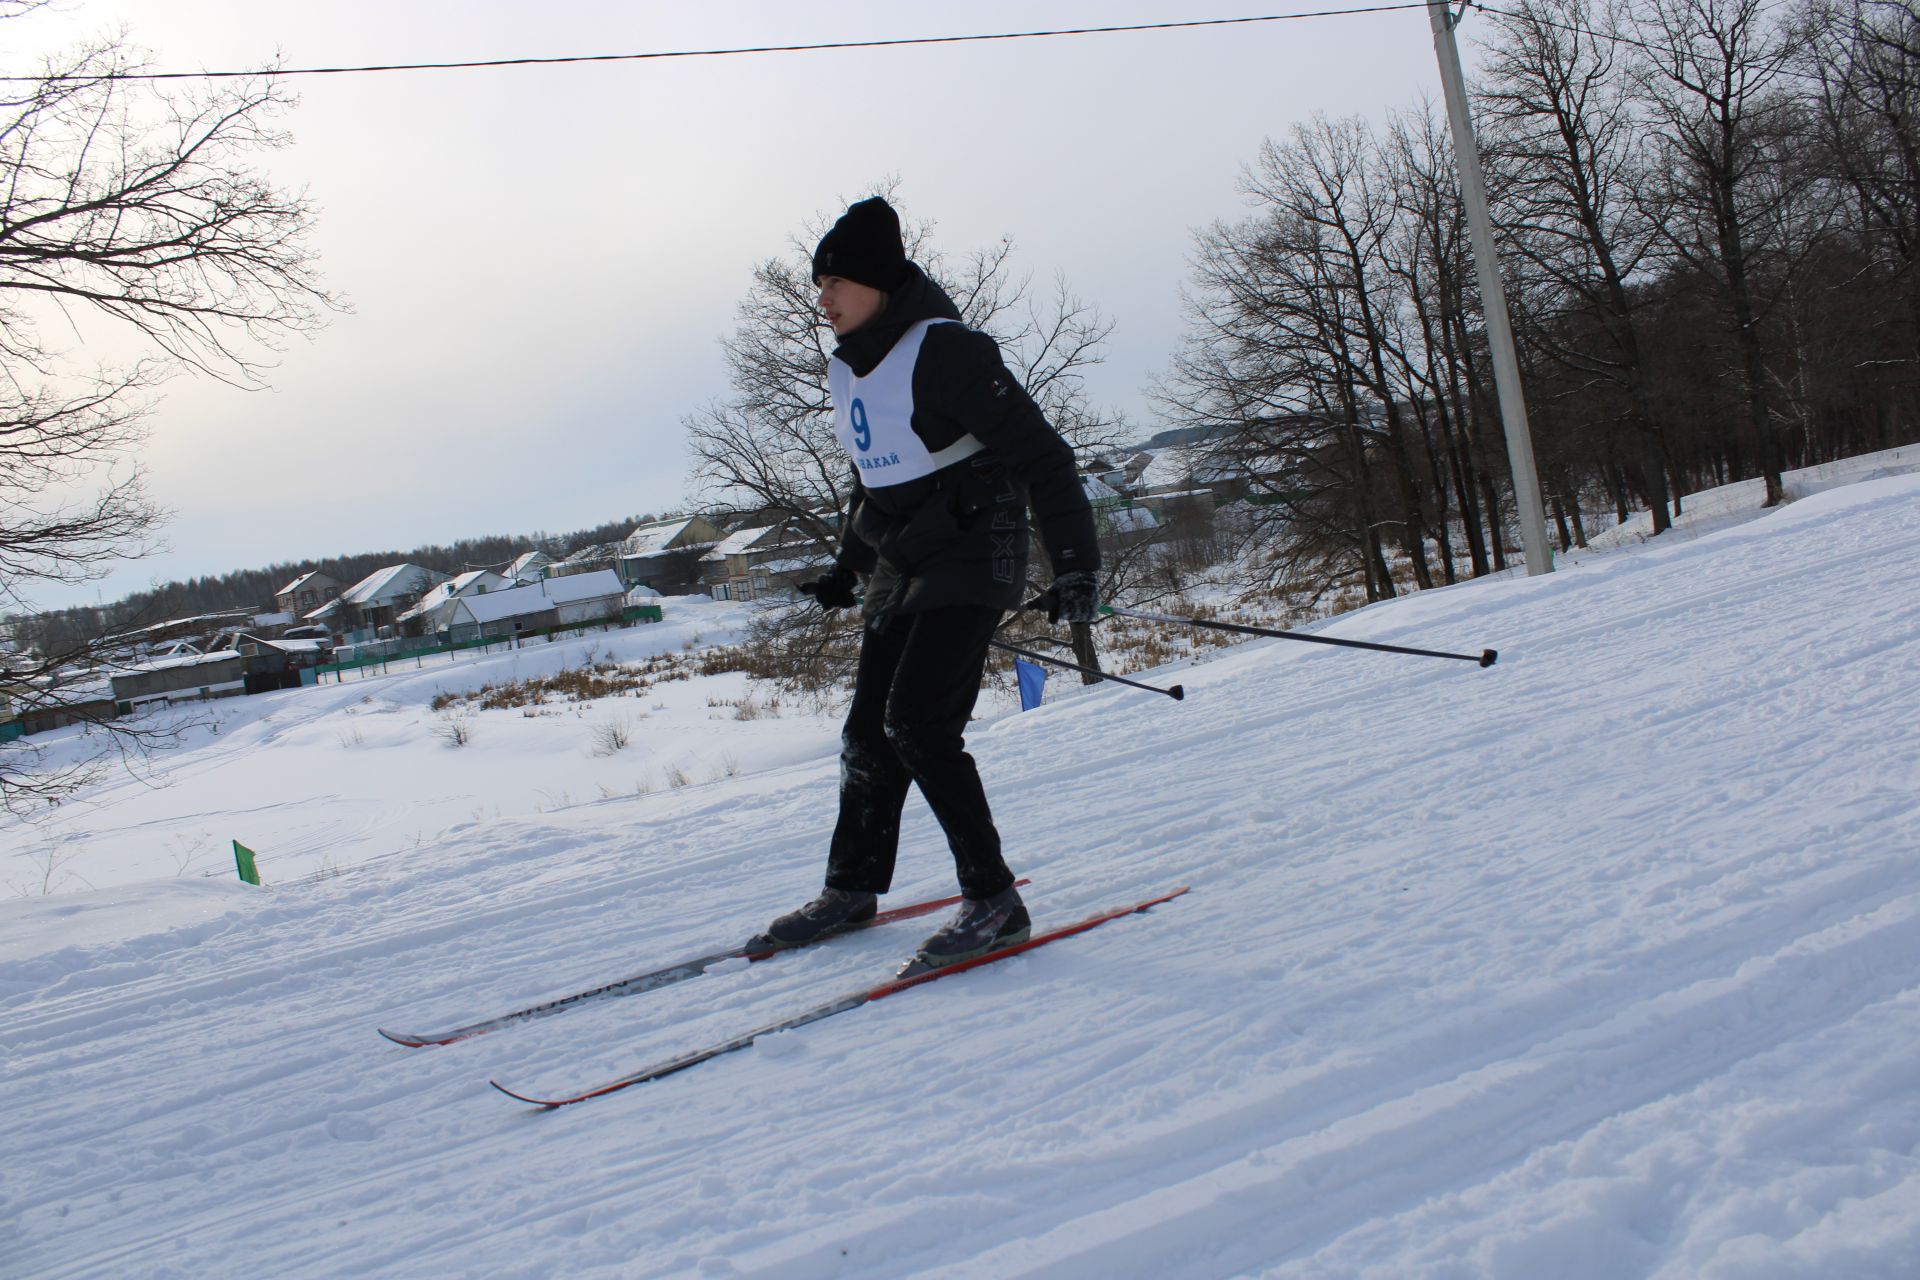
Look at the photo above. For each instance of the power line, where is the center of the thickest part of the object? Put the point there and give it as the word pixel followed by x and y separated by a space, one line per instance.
pixel 719 53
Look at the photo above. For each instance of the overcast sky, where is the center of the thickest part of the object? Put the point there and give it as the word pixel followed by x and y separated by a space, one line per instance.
pixel 541 261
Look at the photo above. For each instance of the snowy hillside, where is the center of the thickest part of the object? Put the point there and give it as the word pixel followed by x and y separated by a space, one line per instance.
pixel 1603 962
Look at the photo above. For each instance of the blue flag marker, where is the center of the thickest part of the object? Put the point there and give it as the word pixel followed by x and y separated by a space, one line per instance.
pixel 1033 682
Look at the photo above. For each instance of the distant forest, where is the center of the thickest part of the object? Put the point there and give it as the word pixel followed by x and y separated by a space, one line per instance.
pixel 254 588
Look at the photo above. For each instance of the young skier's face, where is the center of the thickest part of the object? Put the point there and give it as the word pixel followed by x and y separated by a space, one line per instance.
pixel 847 304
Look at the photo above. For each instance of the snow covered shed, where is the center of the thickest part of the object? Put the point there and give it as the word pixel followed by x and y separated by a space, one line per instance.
pixel 180 677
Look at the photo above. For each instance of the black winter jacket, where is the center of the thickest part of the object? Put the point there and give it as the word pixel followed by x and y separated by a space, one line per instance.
pixel 959 536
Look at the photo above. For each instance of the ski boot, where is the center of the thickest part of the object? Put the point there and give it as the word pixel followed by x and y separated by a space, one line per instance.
pixel 834 911
pixel 979 926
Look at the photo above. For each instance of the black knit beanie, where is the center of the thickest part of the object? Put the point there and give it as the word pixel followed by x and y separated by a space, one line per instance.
pixel 864 247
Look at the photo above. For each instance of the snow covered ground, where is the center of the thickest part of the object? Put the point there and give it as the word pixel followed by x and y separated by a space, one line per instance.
pixel 1603 962
pixel 1743 500
pixel 320 780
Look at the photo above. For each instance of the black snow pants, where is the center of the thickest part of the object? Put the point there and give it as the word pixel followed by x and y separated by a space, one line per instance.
pixel 918 680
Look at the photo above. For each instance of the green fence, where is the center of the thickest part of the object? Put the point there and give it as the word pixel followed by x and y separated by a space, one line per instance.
pixel 420 651
pixel 404 652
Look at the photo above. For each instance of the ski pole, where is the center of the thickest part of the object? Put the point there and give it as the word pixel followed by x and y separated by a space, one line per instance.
pixel 1486 657
pixel 1176 692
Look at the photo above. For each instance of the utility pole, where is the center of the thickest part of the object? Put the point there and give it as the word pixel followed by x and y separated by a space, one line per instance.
pixel 1493 297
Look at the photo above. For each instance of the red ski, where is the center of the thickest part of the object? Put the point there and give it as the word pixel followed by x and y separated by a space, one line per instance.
pixel 651 980
pixel 908 977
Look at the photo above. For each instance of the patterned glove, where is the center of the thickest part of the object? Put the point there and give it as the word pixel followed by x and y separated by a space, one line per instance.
pixel 1073 597
pixel 834 590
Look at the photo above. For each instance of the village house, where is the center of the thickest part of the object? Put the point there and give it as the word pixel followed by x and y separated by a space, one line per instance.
pixel 306 593
pixel 376 601
pixel 1184 469
pixel 528 566
pixel 1116 471
pixel 762 563
pixel 429 613
pixel 664 557
pixel 601 555
pixel 572 600
pixel 199 630
pixel 281 663
pixel 1116 515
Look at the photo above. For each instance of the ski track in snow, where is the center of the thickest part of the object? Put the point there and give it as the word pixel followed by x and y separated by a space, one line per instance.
pixel 1603 962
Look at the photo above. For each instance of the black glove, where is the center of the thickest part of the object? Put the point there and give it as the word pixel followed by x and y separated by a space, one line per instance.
pixel 1073 597
pixel 834 590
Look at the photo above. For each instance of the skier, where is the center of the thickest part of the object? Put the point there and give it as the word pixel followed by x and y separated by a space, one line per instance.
pixel 947 449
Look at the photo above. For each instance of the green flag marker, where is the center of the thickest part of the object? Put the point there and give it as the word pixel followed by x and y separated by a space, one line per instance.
pixel 243 859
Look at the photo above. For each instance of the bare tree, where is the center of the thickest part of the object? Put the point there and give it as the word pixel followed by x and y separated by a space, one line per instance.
pixel 1307 361
pixel 1570 148
pixel 130 214
pixel 1710 79
pixel 1863 56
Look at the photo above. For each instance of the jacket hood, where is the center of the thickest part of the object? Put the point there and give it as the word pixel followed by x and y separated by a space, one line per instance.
pixel 918 299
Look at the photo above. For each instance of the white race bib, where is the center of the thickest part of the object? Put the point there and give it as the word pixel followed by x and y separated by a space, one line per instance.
pixel 873 417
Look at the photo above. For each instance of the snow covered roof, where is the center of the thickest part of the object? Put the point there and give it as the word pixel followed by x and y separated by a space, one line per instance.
pixel 305 644
pixel 738 542
pixel 797 564
pixel 528 564
pixel 298 582
pixel 1130 519
pixel 184 660
pixel 538 597
pixel 1182 466
pixel 1169 467
pixel 71 692
pixel 473 582
pixel 575 587
pixel 384 586
pixel 205 621
pixel 768 538
pixel 597 552
pixel 652 539
pixel 514 602
pixel 1098 490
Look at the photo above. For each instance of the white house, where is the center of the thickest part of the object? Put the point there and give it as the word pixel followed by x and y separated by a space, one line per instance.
pixel 552 602
pixel 427 613
pixel 378 599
